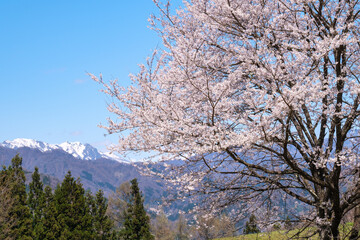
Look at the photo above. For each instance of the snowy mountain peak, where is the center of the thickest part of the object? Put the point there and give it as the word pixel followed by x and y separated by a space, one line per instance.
pixel 30 143
pixel 76 149
pixel 79 150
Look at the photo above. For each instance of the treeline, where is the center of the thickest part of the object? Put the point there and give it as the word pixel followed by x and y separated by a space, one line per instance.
pixel 69 212
pixel 37 212
pixel 40 213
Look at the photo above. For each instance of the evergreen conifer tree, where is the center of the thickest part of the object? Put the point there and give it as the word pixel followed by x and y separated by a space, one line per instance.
pixel 73 213
pixel 52 229
pixel 36 203
pixel 20 211
pixel 137 223
pixel 102 223
pixel 7 221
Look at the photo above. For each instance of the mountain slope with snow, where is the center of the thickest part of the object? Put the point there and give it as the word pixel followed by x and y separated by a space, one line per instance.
pixel 79 150
pixel 76 149
pixel 30 143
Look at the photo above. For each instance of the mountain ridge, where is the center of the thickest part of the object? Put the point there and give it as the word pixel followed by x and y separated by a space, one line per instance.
pixel 76 149
pixel 102 173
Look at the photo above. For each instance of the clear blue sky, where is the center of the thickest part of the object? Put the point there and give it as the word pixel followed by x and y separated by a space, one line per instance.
pixel 46 48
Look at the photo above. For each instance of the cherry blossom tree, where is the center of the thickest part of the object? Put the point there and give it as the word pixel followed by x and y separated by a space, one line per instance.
pixel 257 97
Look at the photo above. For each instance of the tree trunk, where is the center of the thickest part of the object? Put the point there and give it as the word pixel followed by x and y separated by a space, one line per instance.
pixel 329 229
pixel 325 233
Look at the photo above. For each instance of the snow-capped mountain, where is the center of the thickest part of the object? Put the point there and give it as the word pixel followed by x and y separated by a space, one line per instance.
pixel 100 172
pixel 110 155
pixel 79 150
pixel 30 143
pixel 76 149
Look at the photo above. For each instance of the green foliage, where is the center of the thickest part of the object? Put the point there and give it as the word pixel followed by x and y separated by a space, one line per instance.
pixel 68 213
pixel 52 229
pixel 137 222
pixel 251 226
pixel 102 223
pixel 73 213
pixel 36 203
pixel 19 211
pixel 7 221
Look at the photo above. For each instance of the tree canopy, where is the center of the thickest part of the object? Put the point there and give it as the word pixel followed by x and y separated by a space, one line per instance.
pixel 68 213
pixel 263 93
pixel 15 217
pixel 137 222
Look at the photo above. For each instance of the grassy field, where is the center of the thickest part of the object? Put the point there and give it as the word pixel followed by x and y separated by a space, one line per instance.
pixel 276 235
pixel 282 234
